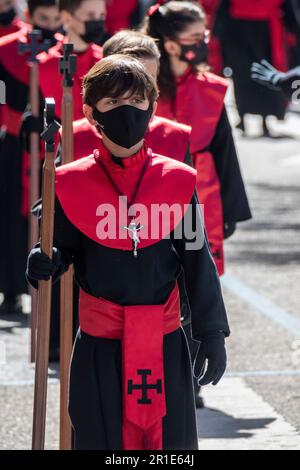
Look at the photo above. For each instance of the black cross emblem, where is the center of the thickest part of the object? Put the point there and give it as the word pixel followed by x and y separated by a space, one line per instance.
pixel 68 65
pixel 144 387
pixel 35 46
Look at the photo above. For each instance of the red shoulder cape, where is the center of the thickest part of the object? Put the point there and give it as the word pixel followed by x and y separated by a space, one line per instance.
pixel 119 14
pixel 15 26
pixel 15 64
pixel 199 103
pixel 164 137
pixel 51 80
pixel 83 186
pixel 168 138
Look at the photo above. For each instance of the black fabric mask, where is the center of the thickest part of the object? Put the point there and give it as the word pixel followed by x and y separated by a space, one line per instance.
pixel 125 126
pixel 47 34
pixel 7 17
pixel 94 32
pixel 194 54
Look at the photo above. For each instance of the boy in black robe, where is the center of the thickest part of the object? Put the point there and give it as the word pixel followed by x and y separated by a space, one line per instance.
pixel 131 382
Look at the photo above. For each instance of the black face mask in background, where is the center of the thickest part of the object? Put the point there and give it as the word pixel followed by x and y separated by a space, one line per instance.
pixel 194 54
pixel 125 125
pixel 94 32
pixel 47 34
pixel 7 17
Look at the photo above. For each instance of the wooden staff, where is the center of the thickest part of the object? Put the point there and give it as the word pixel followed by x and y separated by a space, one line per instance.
pixel 35 46
pixel 45 287
pixel 67 67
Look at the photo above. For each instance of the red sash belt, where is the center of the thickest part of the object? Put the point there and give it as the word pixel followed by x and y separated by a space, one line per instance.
pixel 269 12
pixel 141 329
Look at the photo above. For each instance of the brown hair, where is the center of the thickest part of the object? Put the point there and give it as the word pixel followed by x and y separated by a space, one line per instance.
pixel 116 75
pixel 34 4
pixel 133 43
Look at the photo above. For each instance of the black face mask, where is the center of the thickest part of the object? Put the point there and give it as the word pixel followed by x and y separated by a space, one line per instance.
pixel 125 126
pixel 47 34
pixel 7 17
pixel 194 54
pixel 94 32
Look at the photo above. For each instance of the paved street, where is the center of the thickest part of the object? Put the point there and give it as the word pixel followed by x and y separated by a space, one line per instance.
pixel 257 405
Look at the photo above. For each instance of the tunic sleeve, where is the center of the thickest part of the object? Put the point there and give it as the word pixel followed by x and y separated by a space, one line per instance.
pixel 67 238
pixel 235 202
pixel 202 282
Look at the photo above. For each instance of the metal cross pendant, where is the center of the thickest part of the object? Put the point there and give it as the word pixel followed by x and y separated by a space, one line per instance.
pixel 134 230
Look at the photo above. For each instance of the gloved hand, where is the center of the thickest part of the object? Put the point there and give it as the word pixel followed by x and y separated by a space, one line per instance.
pixel 41 268
pixel 211 351
pixel 32 123
pixel 265 74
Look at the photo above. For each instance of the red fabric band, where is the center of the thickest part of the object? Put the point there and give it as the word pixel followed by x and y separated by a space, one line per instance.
pixel 141 329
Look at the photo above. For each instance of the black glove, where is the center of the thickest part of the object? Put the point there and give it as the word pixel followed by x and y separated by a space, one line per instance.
pixel 30 124
pixel 265 74
pixel 41 268
pixel 211 349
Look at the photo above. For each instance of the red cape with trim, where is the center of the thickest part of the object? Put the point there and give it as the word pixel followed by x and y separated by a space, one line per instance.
pixel 51 79
pixel 87 196
pixel 199 103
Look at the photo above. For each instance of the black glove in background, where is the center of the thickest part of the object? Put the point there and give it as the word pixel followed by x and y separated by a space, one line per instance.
pixel 212 352
pixel 265 74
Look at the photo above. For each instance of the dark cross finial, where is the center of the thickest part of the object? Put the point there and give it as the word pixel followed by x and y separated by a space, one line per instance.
pixel 51 125
pixel 35 45
pixel 144 387
pixel 67 65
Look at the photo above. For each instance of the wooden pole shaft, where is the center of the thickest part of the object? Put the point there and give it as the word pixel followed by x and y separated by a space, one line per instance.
pixel 66 288
pixel 34 195
pixel 44 308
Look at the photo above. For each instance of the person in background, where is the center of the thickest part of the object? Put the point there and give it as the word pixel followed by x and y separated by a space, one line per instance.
pixel 9 20
pixel 249 34
pixel 192 95
pixel 14 71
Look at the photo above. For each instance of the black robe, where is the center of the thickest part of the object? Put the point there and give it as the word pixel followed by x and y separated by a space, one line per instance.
pixel 286 84
pixel 235 201
pixel 13 225
pixel 244 42
pixel 95 403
